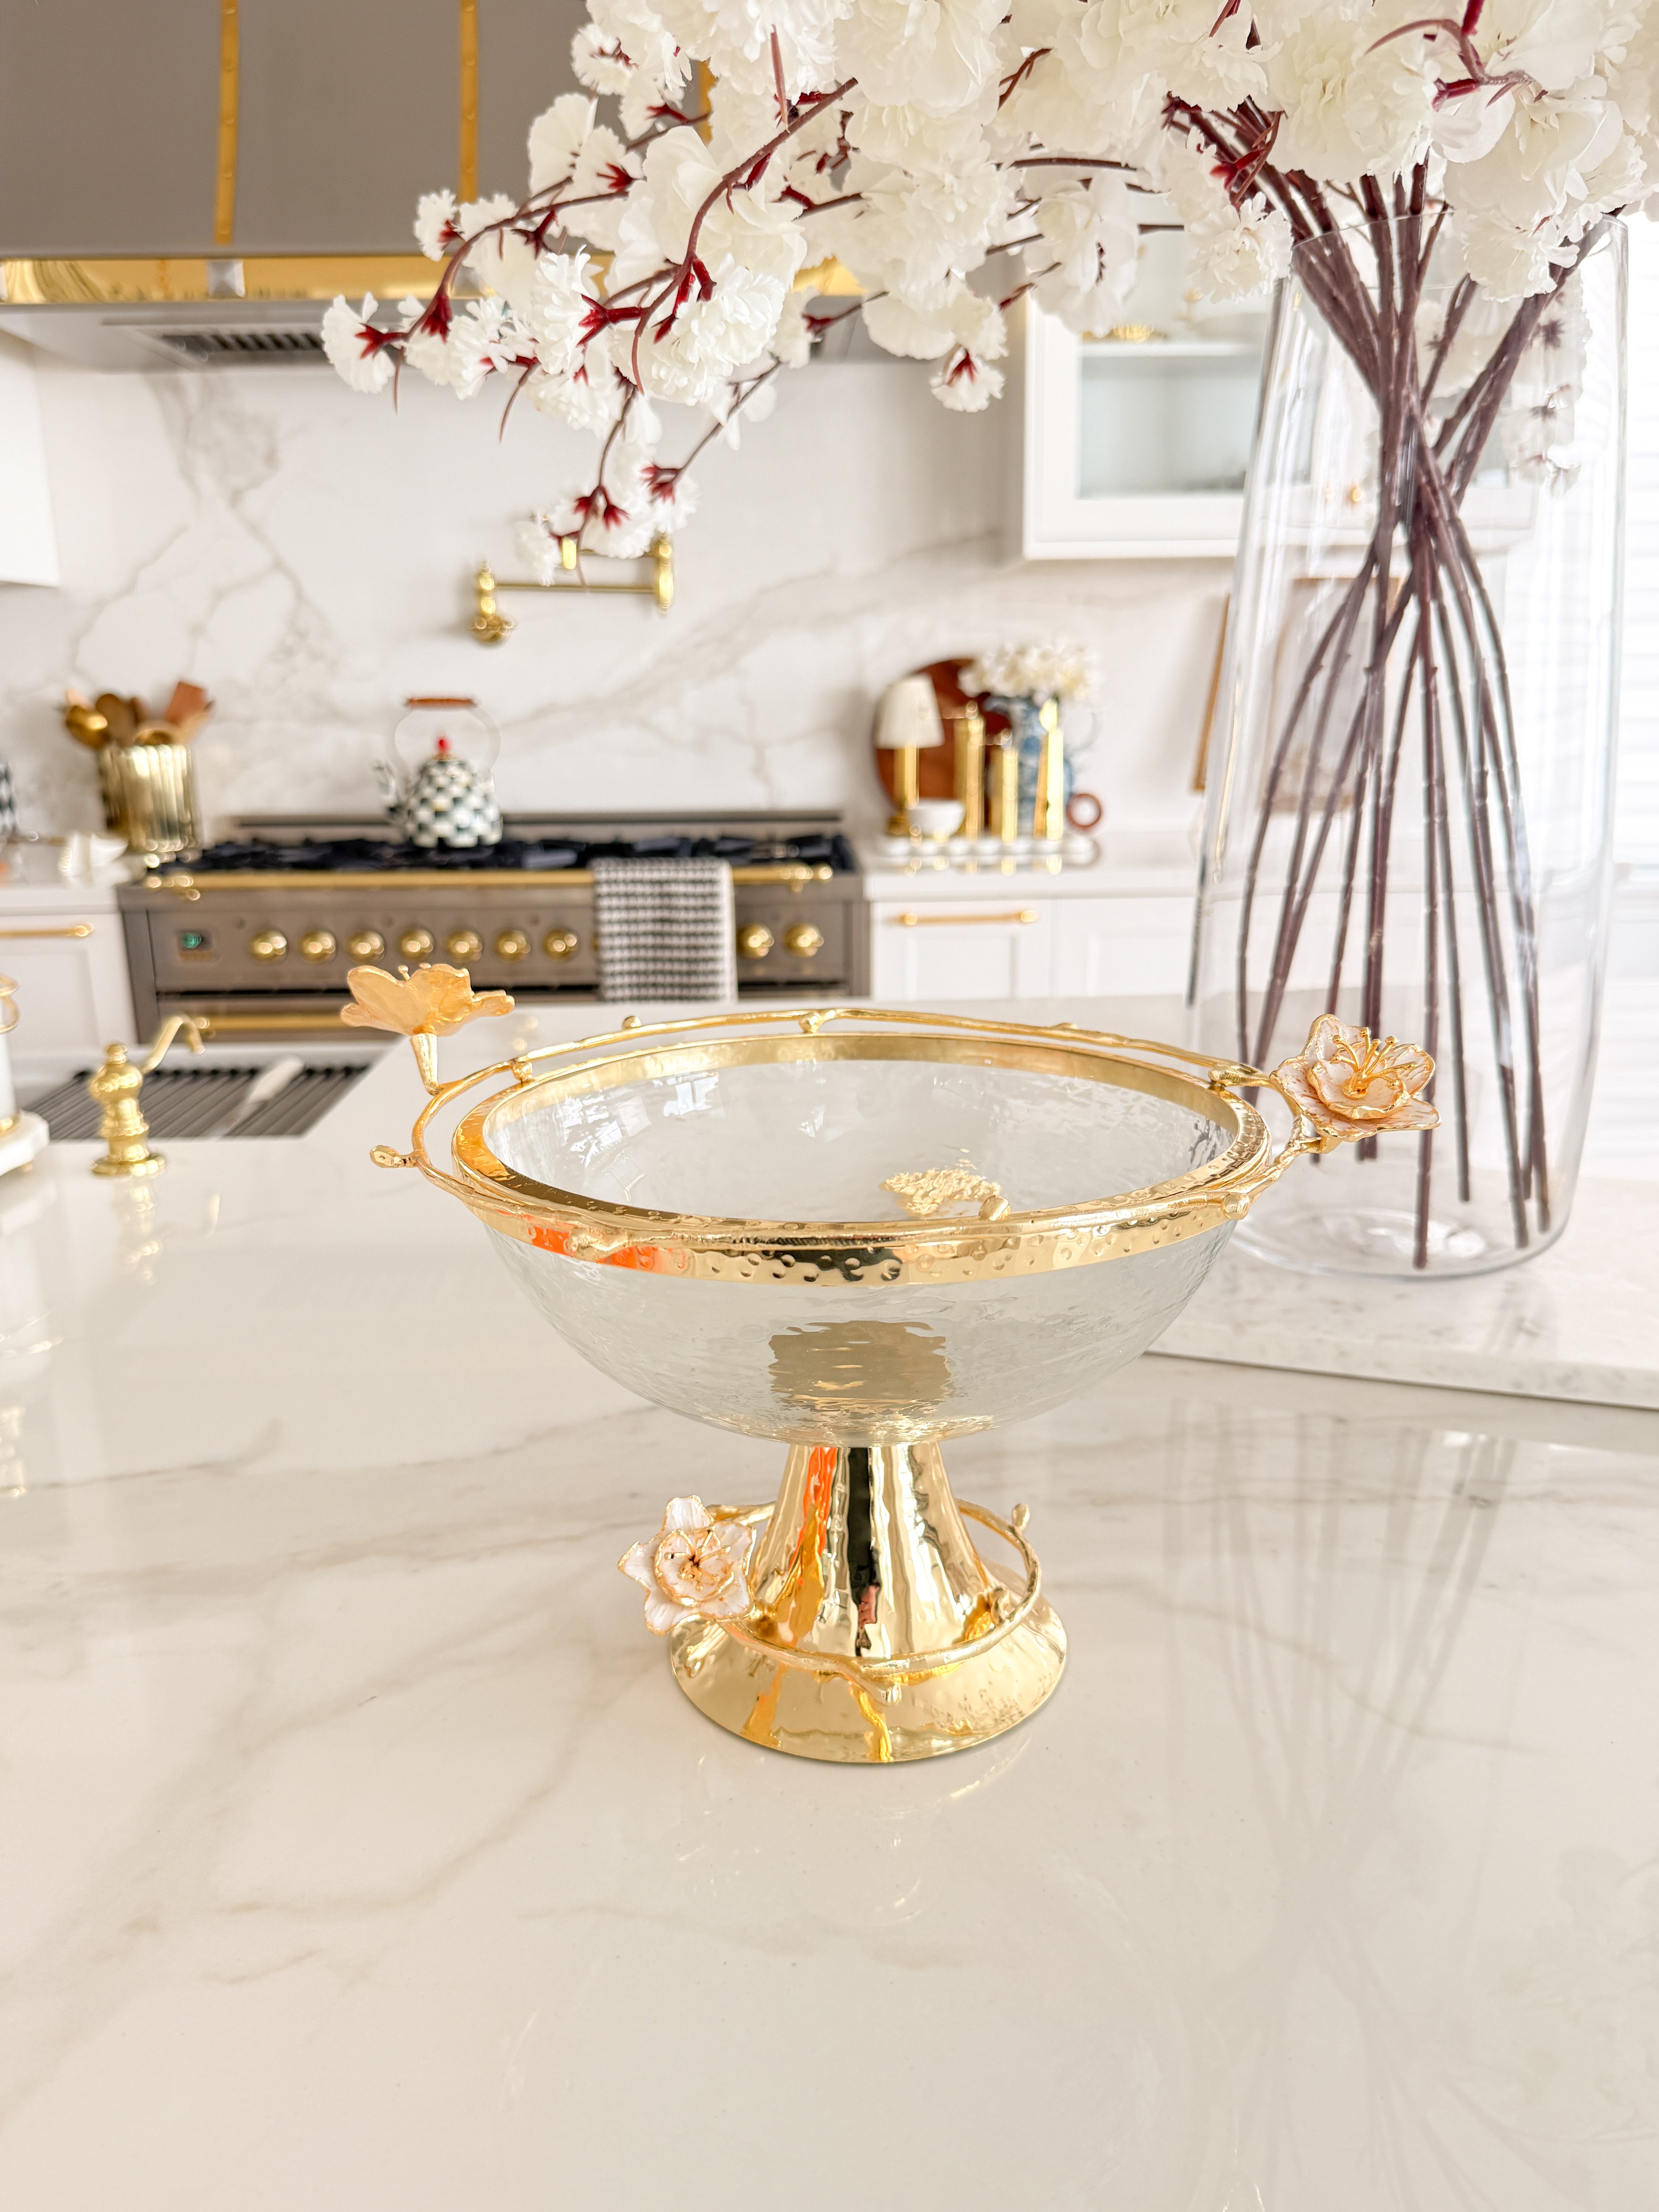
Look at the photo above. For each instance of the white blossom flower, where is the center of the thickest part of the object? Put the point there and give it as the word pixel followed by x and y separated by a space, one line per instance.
pixel 792 341
pixel 694 1564
pixel 1507 262
pixel 1231 261
pixel 965 385
pixel 353 345
pixel 964 129
pixel 597 200
pixel 1059 669
pixel 435 230
pixel 598 61
pixel 712 337
pixel 1351 107
pixel 537 548
pixel 562 310
pixel 928 53
pixel 556 138
pixel 1085 262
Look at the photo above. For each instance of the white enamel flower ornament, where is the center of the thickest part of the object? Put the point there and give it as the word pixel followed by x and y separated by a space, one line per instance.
pixel 693 1564
pixel 1352 1085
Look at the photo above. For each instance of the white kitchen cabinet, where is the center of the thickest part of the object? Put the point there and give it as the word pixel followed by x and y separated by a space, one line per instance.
pixel 1137 438
pixel 1000 946
pixel 1109 948
pixel 70 964
pixel 1030 943
pixel 29 542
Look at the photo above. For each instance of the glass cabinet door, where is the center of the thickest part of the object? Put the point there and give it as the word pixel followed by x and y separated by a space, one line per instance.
pixel 1137 438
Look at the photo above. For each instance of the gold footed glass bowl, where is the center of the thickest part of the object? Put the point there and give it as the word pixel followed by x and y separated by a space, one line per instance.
pixel 862 1232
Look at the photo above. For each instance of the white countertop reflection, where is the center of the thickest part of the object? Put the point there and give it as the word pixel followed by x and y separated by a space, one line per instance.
pixel 359 1851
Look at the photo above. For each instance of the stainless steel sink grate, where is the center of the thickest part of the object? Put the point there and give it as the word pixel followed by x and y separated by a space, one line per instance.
pixel 189 1102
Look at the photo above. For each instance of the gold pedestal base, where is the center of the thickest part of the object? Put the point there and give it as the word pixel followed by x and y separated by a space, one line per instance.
pixel 878 1633
pixel 827 1717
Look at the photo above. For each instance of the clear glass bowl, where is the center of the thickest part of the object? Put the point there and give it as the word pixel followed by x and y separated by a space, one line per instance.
pixel 859 1347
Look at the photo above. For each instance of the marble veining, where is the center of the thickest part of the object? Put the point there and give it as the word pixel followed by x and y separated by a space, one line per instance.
pixel 307 554
pixel 360 1851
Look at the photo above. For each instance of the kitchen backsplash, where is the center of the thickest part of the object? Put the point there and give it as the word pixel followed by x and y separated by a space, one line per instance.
pixel 307 555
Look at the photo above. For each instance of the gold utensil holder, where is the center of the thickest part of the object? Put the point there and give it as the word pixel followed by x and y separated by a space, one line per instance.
pixel 149 796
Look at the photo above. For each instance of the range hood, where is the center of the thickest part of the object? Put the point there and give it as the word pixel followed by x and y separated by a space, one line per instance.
pixel 189 182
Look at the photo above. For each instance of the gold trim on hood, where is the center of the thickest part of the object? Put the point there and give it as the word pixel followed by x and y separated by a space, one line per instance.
pixel 265 276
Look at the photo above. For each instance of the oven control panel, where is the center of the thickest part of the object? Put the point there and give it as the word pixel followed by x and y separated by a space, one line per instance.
pixel 221 946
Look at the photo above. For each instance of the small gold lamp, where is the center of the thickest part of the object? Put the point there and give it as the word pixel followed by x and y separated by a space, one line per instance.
pixel 907 724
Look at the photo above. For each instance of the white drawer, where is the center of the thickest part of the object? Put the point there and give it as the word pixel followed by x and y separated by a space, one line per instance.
pixel 993 947
pixel 1108 948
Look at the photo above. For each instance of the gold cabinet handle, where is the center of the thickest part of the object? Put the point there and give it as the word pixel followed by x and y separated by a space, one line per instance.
pixel 804 939
pixel 560 943
pixel 908 920
pixel 268 945
pixel 415 944
pixel 512 945
pixel 755 941
pixel 74 929
pixel 366 945
pixel 464 945
pixel 318 944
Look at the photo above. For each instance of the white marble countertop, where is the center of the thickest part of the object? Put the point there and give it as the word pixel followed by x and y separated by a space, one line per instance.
pixel 1129 864
pixel 359 1851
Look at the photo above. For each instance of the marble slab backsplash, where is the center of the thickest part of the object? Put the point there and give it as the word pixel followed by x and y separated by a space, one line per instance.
pixel 307 555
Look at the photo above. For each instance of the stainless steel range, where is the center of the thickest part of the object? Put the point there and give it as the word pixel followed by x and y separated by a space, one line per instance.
pixel 255 936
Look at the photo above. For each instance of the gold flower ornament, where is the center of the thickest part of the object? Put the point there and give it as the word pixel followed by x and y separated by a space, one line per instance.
pixel 432 1002
pixel 693 1564
pixel 1352 1085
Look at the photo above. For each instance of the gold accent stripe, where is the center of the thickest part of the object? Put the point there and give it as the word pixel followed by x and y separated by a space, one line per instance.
pixel 182 883
pixel 468 188
pixel 230 63
pixel 212 1026
pixel 138 281
pixel 908 920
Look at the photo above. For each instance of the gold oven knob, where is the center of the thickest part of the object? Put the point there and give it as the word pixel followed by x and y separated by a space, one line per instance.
pixel 318 944
pixel 268 945
pixel 512 945
pixel 415 944
pixel 804 939
pixel 560 943
pixel 367 945
pixel 755 941
pixel 464 945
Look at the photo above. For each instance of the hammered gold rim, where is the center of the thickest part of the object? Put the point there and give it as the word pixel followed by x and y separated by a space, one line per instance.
pixel 867 1253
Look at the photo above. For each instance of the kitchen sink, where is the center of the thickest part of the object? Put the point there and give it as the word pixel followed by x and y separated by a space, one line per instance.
pixel 181 1103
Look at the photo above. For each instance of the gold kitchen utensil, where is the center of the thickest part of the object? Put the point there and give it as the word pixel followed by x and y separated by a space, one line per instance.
pixel 116 1088
pixel 706 1209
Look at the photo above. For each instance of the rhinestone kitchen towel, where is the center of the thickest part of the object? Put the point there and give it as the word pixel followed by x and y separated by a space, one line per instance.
pixel 666 929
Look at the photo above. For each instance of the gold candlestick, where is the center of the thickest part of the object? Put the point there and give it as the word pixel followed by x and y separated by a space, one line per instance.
pixel 1048 814
pixel 1004 790
pixel 971 770
pixel 905 794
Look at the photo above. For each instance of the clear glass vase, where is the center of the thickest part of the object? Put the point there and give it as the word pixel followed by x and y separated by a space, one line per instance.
pixel 1409 797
